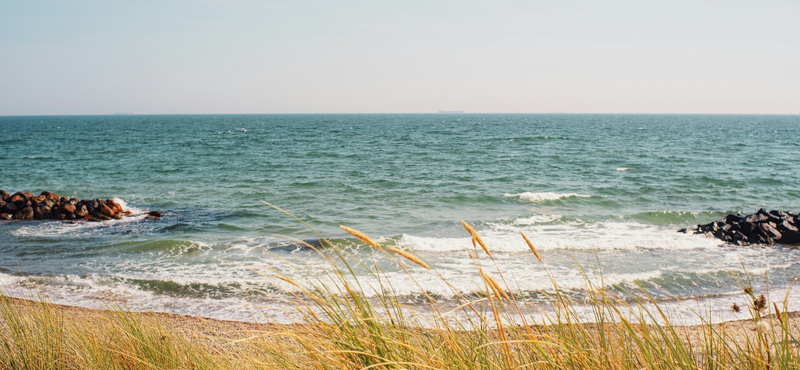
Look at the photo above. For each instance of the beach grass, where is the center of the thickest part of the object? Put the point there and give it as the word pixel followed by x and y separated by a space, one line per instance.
pixel 344 327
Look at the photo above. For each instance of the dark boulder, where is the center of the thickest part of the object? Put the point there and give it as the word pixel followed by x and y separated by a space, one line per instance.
pixel 105 210
pixel 49 205
pixel 81 211
pixel 790 237
pixel 786 226
pixel 153 215
pixel 24 214
pixel 747 228
pixel 756 218
pixel 733 218
pixel 771 231
pixel 42 212
pixel 9 208
pixel 68 208
pixel 19 200
pixel 52 196
pixel 761 227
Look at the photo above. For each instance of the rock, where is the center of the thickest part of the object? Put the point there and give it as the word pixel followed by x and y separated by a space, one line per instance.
pixel 761 227
pixel 153 215
pixel 42 212
pixel 771 231
pixel 738 238
pixel 746 227
pixel 756 218
pixel 791 237
pixel 81 211
pixel 115 207
pixel 733 218
pixel 52 196
pixel 24 214
pixel 105 210
pixel 17 199
pixel 9 208
pixel 49 205
pixel 786 226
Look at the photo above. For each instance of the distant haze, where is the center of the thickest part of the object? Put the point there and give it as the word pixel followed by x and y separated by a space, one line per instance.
pixel 247 56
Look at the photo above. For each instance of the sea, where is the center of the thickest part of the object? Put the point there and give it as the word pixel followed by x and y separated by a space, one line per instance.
pixel 601 197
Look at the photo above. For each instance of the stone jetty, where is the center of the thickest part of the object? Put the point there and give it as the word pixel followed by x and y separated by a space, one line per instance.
pixel 761 227
pixel 51 206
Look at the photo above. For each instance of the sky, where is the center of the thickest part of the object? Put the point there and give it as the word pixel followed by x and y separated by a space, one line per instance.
pixel 299 56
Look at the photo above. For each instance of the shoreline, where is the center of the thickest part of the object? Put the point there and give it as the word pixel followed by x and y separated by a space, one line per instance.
pixel 221 330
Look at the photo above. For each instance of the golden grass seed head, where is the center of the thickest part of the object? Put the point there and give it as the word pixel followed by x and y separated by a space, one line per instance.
pixel 494 286
pixel 530 245
pixel 476 237
pixel 363 237
pixel 409 257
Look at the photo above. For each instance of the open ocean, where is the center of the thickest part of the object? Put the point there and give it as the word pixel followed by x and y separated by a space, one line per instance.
pixel 607 192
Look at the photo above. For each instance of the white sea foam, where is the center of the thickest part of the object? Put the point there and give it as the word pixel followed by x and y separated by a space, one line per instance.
pixel 127 208
pixel 536 219
pixel 574 235
pixel 541 197
pixel 622 168
pixel 98 292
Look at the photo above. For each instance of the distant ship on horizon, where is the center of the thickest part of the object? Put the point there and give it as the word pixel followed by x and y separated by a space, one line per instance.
pixel 123 113
pixel 450 111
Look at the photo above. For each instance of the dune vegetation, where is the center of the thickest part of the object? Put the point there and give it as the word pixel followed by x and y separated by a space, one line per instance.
pixel 343 328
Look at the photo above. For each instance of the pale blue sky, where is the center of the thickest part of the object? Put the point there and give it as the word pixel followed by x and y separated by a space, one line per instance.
pixel 164 57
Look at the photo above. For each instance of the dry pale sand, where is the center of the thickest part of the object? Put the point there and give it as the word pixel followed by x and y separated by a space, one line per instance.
pixel 221 335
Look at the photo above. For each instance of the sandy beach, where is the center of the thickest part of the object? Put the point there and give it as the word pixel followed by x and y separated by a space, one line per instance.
pixel 225 340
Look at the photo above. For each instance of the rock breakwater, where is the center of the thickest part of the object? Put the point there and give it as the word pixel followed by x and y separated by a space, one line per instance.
pixel 761 227
pixel 51 206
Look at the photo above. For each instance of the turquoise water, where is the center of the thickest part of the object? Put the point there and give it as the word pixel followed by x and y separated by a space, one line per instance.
pixel 605 190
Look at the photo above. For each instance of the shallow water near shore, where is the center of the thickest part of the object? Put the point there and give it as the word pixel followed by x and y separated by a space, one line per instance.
pixel 607 192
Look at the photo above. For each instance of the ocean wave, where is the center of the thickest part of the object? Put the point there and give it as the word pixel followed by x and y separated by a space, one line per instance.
pixel 103 292
pixel 574 235
pixel 546 196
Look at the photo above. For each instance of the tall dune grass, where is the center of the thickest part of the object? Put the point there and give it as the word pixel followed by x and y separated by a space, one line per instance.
pixel 343 327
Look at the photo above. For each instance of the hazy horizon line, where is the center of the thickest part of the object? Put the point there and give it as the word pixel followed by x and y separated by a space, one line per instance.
pixel 124 114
